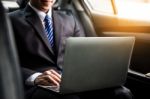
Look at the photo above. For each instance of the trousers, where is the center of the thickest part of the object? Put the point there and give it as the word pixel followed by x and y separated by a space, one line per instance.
pixel 120 92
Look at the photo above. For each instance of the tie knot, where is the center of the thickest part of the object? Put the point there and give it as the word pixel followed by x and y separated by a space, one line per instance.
pixel 47 18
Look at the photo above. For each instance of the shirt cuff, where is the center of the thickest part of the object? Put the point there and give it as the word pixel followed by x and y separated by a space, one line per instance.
pixel 30 80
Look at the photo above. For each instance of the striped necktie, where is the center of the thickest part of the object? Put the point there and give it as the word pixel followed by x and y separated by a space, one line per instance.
pixel 49 30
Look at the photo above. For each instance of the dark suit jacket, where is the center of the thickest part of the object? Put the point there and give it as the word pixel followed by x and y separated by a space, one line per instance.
pixel 35 52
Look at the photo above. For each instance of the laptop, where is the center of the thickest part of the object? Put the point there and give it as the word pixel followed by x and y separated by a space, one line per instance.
pixel 93 63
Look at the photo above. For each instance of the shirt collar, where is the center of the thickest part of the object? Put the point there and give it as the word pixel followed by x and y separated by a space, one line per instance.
pixel 40 13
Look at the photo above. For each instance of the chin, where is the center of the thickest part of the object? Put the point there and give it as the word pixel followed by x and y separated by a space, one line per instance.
pixel 45 9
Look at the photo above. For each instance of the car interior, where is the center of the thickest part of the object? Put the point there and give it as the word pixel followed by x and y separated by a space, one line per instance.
pixel 10 79
pixel 95 25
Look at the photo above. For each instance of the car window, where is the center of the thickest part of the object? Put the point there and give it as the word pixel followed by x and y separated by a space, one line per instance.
pixel 130 9
pixel 101 6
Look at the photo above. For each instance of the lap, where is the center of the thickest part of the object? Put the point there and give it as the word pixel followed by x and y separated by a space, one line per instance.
pixel 116 93
pixel 39 93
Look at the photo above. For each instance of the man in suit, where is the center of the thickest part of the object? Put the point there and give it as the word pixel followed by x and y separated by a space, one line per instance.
pixel 41 44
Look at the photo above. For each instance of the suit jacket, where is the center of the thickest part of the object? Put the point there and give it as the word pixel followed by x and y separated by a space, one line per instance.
pixel 35 52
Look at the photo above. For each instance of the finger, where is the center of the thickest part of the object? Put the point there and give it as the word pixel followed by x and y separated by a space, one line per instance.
pixel 51 71
pixel 46 80
pixel 41 81
pixel 56 78
pixel 48 72
pixel 53 74
pixel 56 73
pixel 52 80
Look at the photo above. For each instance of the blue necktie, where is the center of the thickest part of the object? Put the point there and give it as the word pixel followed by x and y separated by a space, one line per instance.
pixel 49 30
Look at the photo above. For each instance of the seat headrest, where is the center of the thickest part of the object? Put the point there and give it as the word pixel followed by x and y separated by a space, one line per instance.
pixel 22 3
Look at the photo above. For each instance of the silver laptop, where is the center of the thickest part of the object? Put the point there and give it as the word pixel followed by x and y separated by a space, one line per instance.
pixel 93 63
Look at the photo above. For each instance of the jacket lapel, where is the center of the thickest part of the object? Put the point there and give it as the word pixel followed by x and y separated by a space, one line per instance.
pixel 33 19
